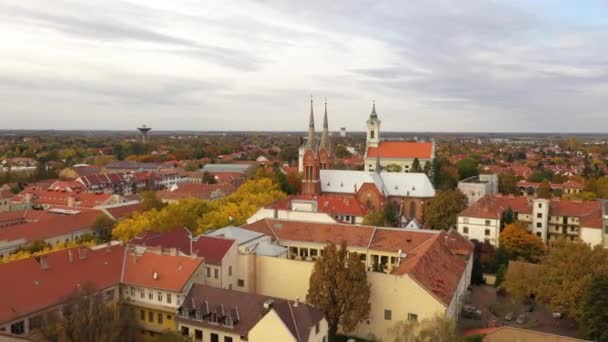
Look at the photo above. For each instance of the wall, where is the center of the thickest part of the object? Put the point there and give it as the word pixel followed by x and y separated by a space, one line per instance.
pixel 206 332
pixel 270 328
pixel 167 319
pixel 405 163
pixel 592 236
pixel 290 215
pixel 477 229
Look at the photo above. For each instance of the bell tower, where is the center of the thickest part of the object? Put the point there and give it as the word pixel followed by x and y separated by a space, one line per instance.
pixel 310 173
pixel 373 129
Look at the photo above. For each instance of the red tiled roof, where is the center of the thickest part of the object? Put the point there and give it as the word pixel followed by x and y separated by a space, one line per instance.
pixel 69 186
pixel 212 249
pixel 122 211
pixel 402 149
pixel 333 204
pixel 195 190
pixel 32 288
pixel 492 206
pixel 590 212
pixel 172 271
pixel 51 226
pixel 86 170
pixel 567 185
pixel 60 198
pixel 4 194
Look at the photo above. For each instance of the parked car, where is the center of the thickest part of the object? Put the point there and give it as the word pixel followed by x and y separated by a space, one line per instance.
pixel 509 316
pixel 558 315
pixel 470 311
pixel 521 319
pixel 529 307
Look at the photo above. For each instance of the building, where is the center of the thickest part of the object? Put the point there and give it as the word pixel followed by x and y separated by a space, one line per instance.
pixel 5 200
pixel 154 284
pixel 342 132
pixel 196 190
pixel 513 334
pixel 399 155
pixel 212 314
pixel 414 274
pixel 547 219
pixel 478 186
pixel 35 197
pixel 566 188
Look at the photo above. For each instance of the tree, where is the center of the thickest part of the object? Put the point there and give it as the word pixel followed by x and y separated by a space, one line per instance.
pixel 467 168
pixel 150 201
pixel 289 154
pixel 393 168
pixel 428 169
pixel 374 218
pixel 506 217
pixel 416 167
pixel 342 152
pixel 103 227
pixel 339 288
pixel 436 329
pixel 281 179
pixel 521 244
pixel 444 209
pixel 209 178
pixel 192 165
pixel 388 216
pixel 87 317
pixel 507 184
pixel 445 176
pixel 594 318
pixel 544 190
pixel 519 280
pixel 566 273
pixel 118 151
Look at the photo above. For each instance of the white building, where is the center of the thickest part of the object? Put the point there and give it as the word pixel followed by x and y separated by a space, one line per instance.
pixel 478 186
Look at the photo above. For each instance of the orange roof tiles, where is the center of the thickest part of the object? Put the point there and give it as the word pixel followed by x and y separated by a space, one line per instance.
pixel 492 206
pixel 172 272
pixel 402 149
pixel 332 204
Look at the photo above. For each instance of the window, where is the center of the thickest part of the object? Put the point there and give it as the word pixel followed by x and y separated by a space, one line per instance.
pixel 215 337
pixel 372 134
pixel 150 316
pixel 208 272
pixel 142 293
pixel 142 315
pixel 538 234
pixel 160 296
pixel 160 318
pixel 215 273
pixel 18 328
pixel 240 283
pixel 388 315
pixel 198 335
pixel 168 298
pixel 169 317
pixel 540 205
pixel 317 328
pixel 227 339
pixel 150 295
pixel 412 317
pixel 487 222
pixel 487 232
pixel 185 331
pixel 539 225
pixel 132 291
pixel 229 270
pixel 465 230
pixel 539 215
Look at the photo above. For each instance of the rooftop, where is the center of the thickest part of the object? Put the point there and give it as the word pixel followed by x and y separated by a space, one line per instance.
pixel 402 149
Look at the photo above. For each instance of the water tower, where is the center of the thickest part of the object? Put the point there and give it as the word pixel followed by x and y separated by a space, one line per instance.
pixel 144 133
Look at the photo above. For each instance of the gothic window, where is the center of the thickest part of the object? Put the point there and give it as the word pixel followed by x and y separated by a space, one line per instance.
pixel 412 209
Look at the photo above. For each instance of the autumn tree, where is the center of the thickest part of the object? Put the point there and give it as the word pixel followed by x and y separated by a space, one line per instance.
pixel 102 226
pixel 435 329
pixel 521 244
pixel 339 287
pixel 87 317
pixel 150 201
pixel 393 168
pixel 387 216
pixel 565 274
pixel 520 279
pixel 594 319
pixel 544 190
pixel 507 184
pixel 209 178
pixel 444 208
pixel 416 167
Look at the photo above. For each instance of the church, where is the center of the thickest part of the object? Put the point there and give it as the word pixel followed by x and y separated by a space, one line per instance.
pixel 372 188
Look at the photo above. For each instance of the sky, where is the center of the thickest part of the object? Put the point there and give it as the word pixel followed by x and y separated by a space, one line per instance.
pixel 429 65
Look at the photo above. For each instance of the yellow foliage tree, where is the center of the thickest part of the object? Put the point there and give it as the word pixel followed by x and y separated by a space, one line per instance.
pixel 521 244
pixel 60 246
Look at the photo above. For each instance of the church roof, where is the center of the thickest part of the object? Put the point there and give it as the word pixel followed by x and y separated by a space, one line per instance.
pixel 402 149
pixel 389 183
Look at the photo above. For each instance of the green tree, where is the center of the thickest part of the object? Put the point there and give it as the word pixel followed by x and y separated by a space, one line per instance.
pixel 416 167
pixel 103 227
pixel 342 152
pixel 118 151
pixel 289 154
pixel 444 208
pixel 281 179
pixel 594 318
pixel 544 190
pixel 209 178
pixel 150 201
pixel 467 168
pixel 339 287
pixel 192 165
pixel 506 217
pixel 428 169
pixel 507 184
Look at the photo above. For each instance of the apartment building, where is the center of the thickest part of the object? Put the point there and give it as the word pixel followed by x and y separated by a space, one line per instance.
pixel 478 186
pixel 547 219
pixel 219 315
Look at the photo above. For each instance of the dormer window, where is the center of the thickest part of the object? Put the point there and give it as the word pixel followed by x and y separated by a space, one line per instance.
pixel 199 315
pixel 229 322
pixel 184 312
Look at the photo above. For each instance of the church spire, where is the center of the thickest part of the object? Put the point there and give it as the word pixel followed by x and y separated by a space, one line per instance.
pixel 325 135
pixel 373 115
pixel 311 128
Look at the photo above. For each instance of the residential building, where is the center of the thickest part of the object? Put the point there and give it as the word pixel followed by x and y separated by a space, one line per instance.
pixel 131 166
pixel 220 315
pixel 566 188
pixel 547 219
pixel 43 199
pixel 414 274
pixel 478 186
pixel 196 190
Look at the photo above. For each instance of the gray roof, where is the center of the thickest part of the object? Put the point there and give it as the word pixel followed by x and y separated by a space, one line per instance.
pixel 390 183
pixel 235 233
pixel 227 167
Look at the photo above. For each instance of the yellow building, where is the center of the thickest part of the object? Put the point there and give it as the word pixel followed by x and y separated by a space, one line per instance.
pixel 154 286
pixel 414 274
pixel 221 315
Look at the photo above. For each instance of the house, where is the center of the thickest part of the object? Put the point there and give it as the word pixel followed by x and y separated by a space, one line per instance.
pixel 478 186
pixel 212 314
pixel 44 199
pixel 566 188
pixel 130 166
pixel 513 334
pixel 547 219
pixel 414 274
pixel 196 190
pixel 109 183
pixel 155 284
pixel 5 200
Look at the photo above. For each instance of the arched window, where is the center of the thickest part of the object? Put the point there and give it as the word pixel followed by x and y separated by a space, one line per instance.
pixel 371 134
pixel 412 209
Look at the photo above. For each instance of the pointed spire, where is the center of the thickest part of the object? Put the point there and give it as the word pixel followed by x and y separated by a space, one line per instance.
pixel 311 128
pixel 325 134
pixel 374 115
pixel 378 164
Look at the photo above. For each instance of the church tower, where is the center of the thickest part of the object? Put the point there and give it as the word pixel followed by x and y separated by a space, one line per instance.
pixel 373 129
pixel 325 152
pixel 310 175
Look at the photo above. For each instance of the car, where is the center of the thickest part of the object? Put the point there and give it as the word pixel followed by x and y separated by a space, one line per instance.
pixel 521 319
pixel 509 316
pixel 529 307
pixel 557 315
pixel 470 311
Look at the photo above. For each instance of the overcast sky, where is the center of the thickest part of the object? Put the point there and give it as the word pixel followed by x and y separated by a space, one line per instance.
pixel 472 65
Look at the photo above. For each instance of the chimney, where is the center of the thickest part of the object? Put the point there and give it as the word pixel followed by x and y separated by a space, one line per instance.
pixel 28 197
pixel 44 262
pixel 82 253
pixel 71 201
pixel 70 256
pixel 296 302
